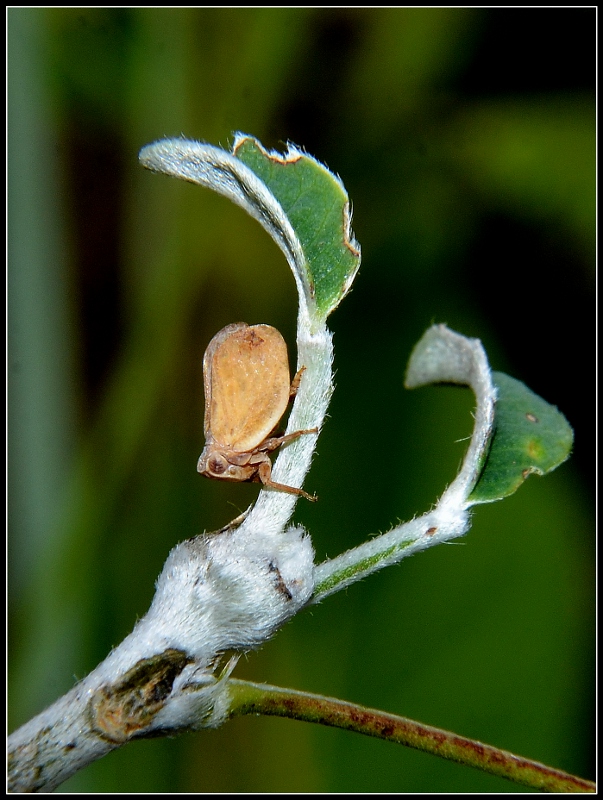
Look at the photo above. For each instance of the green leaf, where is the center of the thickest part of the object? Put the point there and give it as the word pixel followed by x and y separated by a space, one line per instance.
pixel 530 436
pixel 317 206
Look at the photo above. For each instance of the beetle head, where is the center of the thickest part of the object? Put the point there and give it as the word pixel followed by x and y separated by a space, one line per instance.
pixel 214 464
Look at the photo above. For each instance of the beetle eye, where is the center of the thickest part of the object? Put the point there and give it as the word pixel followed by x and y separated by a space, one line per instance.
pixel 217 466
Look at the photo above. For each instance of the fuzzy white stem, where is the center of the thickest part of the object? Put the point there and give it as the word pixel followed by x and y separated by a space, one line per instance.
pixel 221 592
pixel 440 356
pixel 232 590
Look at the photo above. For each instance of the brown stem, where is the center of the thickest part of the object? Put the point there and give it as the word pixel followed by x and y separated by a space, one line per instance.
pixel 255 698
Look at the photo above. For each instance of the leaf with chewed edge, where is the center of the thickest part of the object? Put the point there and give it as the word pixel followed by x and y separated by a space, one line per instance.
pixel 317 206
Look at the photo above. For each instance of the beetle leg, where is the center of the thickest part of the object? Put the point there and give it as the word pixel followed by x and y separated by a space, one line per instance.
pixel 295 382
pixel 264 474
pixel 271 444
pixel 238 459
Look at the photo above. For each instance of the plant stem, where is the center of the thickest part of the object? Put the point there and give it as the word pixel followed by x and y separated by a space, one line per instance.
pixel 256 698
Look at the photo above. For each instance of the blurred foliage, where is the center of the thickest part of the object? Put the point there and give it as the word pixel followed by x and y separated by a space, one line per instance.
pixel 466 140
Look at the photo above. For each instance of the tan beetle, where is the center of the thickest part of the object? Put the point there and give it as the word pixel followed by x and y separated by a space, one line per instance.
pixel 247 388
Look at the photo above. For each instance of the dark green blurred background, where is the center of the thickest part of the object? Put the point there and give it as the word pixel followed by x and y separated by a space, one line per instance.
pixel 466 141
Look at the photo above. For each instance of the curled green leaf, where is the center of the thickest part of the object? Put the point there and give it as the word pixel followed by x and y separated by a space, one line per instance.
pixel 318 208
pixel 530 437
pixel 303 206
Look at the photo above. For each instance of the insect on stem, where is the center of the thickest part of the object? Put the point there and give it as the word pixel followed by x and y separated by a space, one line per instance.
pixel 247 389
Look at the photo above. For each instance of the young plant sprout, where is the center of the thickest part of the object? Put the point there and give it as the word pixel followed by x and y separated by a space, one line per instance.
pixel 247 389
pixel 229 591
